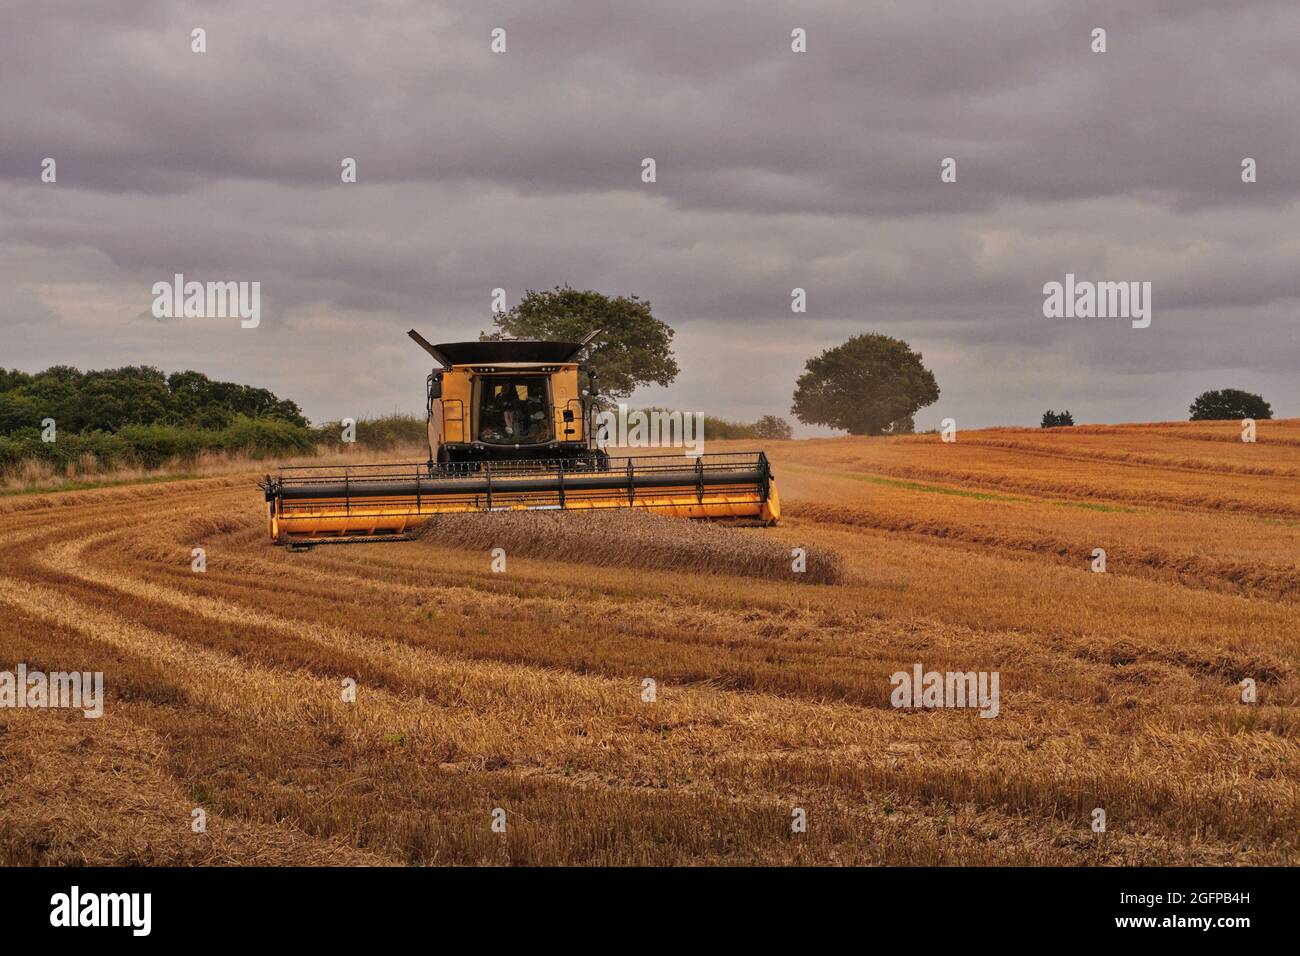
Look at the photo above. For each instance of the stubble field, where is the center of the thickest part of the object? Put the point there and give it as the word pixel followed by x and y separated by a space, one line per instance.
pixel 524 690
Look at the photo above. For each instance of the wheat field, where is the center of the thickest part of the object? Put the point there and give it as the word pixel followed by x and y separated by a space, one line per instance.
pixel 521 695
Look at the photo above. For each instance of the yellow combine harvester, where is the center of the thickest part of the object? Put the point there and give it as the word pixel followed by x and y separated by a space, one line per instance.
pixel 510 429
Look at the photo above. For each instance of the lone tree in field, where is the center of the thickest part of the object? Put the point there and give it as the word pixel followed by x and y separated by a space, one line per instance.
pixel 634 349
pixel 1053 419
pixel 870 385
pixel 1229 403
pixel 773 427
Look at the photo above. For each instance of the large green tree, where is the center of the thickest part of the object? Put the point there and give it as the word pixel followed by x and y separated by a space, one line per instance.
pixel 633 349
pixel 1229 403
pixel 870 385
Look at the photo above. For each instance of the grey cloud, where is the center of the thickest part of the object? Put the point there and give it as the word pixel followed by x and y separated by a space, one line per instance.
pixel 775 171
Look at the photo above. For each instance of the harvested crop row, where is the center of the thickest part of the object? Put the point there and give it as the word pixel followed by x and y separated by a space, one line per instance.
pixel 635 539
pixel 1254 578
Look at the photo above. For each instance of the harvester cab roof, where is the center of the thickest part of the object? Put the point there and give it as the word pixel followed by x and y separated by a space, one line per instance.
pixel 503 351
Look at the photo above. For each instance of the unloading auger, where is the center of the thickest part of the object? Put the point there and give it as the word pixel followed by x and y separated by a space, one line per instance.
pixel 510 429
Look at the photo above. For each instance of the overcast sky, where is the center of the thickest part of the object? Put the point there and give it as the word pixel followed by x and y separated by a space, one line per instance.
pixel 775 170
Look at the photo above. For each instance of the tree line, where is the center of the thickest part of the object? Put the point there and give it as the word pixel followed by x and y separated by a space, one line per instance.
pixel 139 415
pixel 111 399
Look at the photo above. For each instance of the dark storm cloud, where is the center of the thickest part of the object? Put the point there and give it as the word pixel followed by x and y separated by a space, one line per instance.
pixel 775 170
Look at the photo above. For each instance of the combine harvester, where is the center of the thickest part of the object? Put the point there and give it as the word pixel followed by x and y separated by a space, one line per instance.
pixel 510 429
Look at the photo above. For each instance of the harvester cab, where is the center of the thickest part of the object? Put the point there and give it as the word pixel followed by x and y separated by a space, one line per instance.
pixel 511 428
pixel 510 400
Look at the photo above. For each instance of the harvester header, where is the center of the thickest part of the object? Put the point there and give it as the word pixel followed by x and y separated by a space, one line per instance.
pixel 510 426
